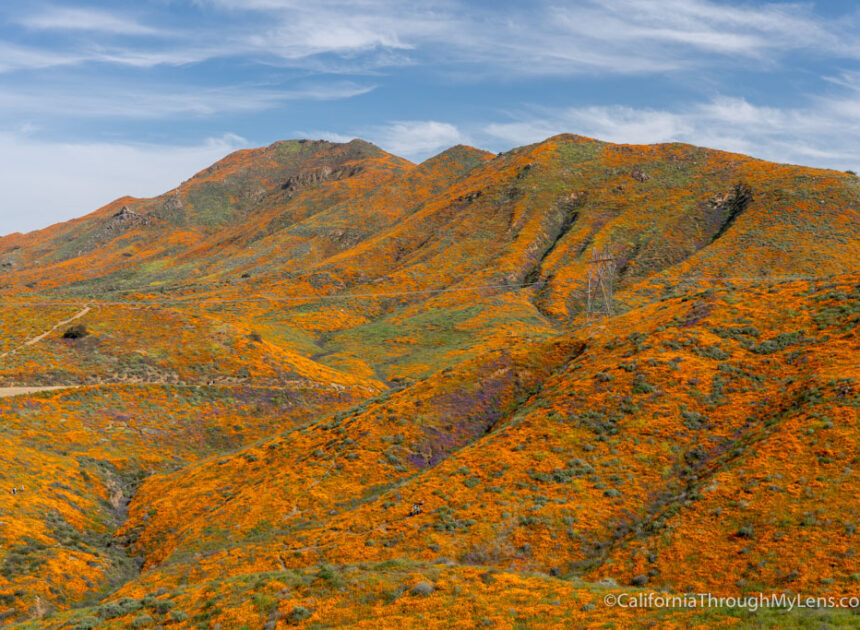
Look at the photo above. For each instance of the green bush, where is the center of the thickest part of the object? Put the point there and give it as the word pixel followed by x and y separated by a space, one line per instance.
pixel 693 420
pixel 298 614
pixel 162 606
pixel 119 608
pixel 142 621
pixel 641 386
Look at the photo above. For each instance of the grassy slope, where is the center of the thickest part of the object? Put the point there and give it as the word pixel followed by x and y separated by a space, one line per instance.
pixel 680 445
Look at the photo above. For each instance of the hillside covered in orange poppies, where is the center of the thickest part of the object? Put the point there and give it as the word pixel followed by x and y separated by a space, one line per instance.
pixel 317 385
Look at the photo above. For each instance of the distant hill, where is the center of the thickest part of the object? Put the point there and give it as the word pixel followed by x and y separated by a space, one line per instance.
pixel 318 385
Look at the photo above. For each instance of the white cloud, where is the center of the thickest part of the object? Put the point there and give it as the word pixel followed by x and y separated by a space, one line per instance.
pixel 536 38
pixel 567 38
pixel 14 57
pixel 826 133
pixel 613 124
pixel 415 139
pixel 153 102
pixel 701 24
pixel 78 19
pixel 28 58
pixel 46 182
pixel 327 33
pixel 302 37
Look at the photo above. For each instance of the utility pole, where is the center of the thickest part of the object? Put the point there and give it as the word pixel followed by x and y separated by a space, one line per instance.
pixel 601 282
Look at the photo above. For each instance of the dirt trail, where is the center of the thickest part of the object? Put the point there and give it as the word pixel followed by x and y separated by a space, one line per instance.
pixel 6 392
pixel 36 340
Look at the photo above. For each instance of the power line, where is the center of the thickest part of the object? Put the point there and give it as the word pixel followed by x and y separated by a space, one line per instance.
pixel 601 272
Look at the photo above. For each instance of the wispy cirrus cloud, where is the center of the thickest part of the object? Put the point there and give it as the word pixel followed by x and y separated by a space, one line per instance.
pixel 84 19
pixel 623 36
pixel 15 57
pixel 158 101
pixel 716 27
pixel 541 38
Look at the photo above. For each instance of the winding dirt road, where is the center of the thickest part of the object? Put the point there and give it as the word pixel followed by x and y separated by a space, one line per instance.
pixel 6 392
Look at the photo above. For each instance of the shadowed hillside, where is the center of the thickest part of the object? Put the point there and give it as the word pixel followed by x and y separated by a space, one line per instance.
pixel 318 385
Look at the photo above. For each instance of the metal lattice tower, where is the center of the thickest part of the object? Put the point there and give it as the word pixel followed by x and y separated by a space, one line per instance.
pixel 601 270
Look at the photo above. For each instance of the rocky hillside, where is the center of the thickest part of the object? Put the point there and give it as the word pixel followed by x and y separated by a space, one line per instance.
pixel 318 385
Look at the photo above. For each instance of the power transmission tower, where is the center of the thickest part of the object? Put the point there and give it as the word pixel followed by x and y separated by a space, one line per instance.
pixel 601 271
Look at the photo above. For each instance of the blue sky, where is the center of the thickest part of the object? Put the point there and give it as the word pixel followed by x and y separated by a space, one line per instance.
pixel 100 99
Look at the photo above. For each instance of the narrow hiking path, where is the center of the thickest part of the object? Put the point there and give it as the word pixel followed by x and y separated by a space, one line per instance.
pixel 8 392
pixel 36 340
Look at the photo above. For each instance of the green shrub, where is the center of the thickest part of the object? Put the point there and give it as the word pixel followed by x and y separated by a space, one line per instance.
pixel 142 621
pixel 713 352
pixel 471 482
pixel 298 614
pixel 119 608
pixel 162 606
pixel 692 420
pixel 780 342
pixel 641 386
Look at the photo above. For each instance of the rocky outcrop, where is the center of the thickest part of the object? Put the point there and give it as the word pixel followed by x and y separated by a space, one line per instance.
pixel 322 174
pixel 125 219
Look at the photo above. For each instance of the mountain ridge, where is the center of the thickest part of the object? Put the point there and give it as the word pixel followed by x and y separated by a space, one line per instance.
pixel 320 384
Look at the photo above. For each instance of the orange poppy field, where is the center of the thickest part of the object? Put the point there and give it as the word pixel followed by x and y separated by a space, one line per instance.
pixel 318 386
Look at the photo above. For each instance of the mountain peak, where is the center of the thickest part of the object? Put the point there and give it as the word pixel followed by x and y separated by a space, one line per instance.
pixel 572 137
pixel 462 154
